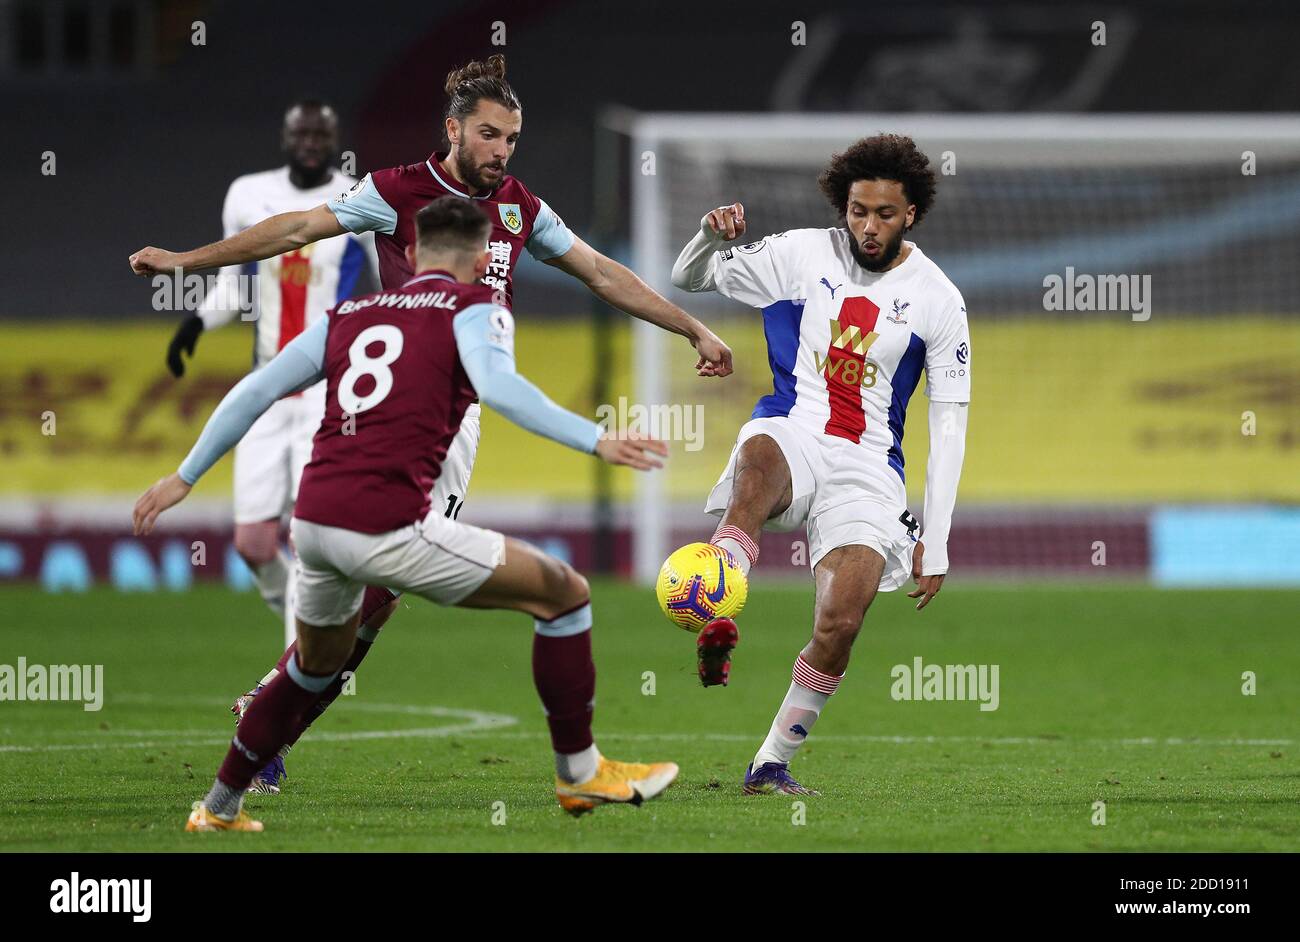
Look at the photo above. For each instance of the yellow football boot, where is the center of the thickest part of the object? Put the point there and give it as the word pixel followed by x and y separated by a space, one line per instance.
pixel 201 819
pixel 622 782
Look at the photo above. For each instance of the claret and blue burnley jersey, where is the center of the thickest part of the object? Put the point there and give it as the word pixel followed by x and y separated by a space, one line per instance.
pixel 385 202
pixel 846 345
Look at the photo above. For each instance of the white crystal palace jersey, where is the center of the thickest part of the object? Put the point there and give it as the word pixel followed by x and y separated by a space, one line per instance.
pixel 291 290
pixel 846 345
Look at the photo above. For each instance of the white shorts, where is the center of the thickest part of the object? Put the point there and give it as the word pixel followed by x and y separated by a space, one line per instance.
pixel 840 493
pixel 270 458
pixel 448 493
pixel 438 559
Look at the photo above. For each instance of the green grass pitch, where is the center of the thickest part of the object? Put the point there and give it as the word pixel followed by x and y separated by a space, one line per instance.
pixel 1126 695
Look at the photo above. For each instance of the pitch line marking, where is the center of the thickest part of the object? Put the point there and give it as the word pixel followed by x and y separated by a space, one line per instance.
pixel 485 722
pixel 474 728
pixel 476 721
pixel 932 740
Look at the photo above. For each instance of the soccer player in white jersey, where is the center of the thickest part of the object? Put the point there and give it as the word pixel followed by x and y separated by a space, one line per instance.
pixel 852 315
pixel 289 293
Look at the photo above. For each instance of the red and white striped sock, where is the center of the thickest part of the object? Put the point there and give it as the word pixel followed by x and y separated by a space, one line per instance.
pixel 738 543
pixel 803 703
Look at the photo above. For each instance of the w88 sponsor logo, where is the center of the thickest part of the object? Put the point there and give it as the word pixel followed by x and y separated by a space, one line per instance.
pixel 850 372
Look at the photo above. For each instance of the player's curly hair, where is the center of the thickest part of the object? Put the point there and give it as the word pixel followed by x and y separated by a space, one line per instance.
pixel 883 157
pixel 473 82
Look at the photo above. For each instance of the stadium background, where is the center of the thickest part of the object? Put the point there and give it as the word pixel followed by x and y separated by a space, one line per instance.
pixel 1087 428
pixel 1129 689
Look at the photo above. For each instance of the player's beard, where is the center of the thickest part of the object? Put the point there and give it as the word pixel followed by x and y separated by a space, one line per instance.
pixel 312 176
pixel 472 173
pixel 888 253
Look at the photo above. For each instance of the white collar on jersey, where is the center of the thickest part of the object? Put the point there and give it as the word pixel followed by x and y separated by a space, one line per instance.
pixel 432 274
pixel 451 189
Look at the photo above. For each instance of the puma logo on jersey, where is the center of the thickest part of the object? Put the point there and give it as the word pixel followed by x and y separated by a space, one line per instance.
pixel 832 290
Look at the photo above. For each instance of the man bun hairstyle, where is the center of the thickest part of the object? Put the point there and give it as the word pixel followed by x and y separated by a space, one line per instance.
pixel 451 224
pixel 883 157
pixel 475 81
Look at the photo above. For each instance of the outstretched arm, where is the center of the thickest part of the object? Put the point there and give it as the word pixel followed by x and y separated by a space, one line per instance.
pixel 485 342
pixel 222 304
pixel 270 237
pixel 296 367
pixel 619 286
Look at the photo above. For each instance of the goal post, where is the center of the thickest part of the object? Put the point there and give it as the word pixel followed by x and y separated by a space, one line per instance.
pixel 1202 205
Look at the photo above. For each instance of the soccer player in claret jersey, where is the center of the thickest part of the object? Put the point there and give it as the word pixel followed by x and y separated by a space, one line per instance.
pixel 482 125
pixel 292 292
pixel 851 314
pixel 402 367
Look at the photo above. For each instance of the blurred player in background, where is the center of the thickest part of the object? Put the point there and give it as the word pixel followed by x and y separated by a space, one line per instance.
pixel 482 125
pixel 289 293
pixel 402 367
pixel 851 316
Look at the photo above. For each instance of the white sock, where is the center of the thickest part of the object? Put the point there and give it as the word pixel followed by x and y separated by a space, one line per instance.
pixel 799 711
pixel 737 542
pixel 272 581
pixel 579 766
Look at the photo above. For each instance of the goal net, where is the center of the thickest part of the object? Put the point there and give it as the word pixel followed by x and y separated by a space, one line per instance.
pixel 1083 420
